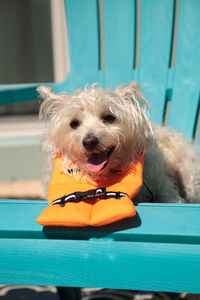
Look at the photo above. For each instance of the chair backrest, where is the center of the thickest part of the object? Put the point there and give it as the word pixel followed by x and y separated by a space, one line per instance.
pixel 154 42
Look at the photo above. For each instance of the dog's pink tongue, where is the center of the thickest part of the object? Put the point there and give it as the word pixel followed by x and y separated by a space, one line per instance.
pixel 96 161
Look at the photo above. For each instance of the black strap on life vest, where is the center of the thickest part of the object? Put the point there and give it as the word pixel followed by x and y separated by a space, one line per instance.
pixel 99 193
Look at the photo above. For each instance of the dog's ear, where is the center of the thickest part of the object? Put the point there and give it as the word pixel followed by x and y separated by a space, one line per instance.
pixel 46 92
pixel 133 93
pixel 138 109
pixel 52 102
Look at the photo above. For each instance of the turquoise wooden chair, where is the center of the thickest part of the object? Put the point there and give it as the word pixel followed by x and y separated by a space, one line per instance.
pixel 156 43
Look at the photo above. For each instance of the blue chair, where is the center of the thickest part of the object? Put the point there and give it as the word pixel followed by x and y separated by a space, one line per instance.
pixel 156 43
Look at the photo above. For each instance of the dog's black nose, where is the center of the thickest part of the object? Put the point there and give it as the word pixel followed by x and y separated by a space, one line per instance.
pixel 90 142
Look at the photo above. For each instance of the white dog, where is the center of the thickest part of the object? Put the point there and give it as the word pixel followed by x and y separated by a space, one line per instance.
pixel 102 132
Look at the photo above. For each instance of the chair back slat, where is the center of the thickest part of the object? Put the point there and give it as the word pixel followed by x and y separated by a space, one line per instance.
pixel 119 27
pixel 156 32
pixel 83 35
pixel 186 83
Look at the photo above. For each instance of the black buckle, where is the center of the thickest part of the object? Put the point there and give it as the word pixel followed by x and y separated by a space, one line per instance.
pixel 99 193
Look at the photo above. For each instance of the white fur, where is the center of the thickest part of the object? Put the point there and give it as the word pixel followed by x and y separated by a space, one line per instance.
pixel 171 163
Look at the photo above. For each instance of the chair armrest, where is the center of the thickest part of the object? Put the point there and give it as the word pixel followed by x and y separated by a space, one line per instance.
pixel 17 93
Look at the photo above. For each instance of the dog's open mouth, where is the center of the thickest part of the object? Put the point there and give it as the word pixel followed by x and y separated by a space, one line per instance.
pixel 98 160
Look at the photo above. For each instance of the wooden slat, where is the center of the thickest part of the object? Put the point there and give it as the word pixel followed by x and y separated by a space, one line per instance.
pixel 187 69
pixel 179 222
pixel 156 31
pixel 82 17
pixel 159 250
pixel 119 26
pixel 17 93
pixel 83 35
pixel 121 265
pixel 183 111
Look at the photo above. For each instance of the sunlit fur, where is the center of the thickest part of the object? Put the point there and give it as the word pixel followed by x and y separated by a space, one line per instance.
pixel 171 163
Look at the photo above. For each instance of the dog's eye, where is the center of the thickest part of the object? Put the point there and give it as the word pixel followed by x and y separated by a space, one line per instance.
pixel 109 118
pixel 74 124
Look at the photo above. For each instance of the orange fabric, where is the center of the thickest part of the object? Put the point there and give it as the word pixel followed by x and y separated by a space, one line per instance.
pixel 89 212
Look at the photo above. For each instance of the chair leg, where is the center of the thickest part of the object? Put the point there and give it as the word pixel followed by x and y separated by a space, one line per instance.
pixel 69 293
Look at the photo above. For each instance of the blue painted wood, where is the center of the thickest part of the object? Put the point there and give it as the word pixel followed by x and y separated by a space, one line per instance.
pixel 22 215
pixel 162 252
pixel 119 26
pixel 156 30
pixel 83 33
pixel 186 83
pixel 122 265
pixel 17 93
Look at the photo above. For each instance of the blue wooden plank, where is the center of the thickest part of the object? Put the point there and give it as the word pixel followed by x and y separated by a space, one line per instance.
pixel 159 251
pixel 156 30
pixel 164 222
pixel 122 265
pixel 119 26
pixel 187 69
pixel 83 36
pixel 119 34
pixel 82 20
pixel 17 93
pixel 183 110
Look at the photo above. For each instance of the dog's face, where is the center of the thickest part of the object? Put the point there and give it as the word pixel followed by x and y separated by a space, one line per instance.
pixel 97 130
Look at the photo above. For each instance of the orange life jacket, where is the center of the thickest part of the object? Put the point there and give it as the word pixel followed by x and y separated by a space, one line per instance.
pixel 94 205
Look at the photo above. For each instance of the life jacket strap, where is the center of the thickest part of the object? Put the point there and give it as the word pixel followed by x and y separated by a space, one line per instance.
pixel 99 193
